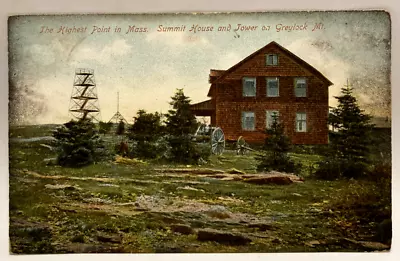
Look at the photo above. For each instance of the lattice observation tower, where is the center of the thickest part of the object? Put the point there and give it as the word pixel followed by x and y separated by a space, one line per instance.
pixel 84 103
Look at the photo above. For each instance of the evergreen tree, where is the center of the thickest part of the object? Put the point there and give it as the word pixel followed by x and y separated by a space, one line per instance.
pixel 349 141
pixel 181 124
pixel 120 128
pixel 77 142
pixel 104 127
pixel 146 131
pixel 274 155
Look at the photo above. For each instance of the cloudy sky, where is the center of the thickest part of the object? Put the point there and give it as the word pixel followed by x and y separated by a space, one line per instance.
pixel 147 67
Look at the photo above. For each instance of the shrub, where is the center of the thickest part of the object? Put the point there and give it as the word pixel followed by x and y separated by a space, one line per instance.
pixel 335 168
pixel 328 170
pixel 104 127
pixel 146 134
pixel 351 138
pixel 120 128
pixel 366 203
pixel 203 152
pixel 183 150
pixel 274 155
pixel 77 143
pixel 280 162
pixel 180 127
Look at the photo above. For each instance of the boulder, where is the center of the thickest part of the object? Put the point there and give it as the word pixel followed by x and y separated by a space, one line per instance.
pixel 261 226
pixel 36 231
pixel 374 246
pixel 62 186
pixel 222 237
pixel 367 245
pixel 277 240
pixel 50 161
pixel 109 238
pixel 182 228
pixel 235 171
pixel 217 211
pixel 312 243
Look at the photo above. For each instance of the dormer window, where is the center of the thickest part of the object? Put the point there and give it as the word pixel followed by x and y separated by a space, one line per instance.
pixel 272 59
pixel 249 87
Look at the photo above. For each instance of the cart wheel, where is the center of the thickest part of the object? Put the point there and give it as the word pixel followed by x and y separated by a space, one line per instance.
pixel 217 141
pixel 241 146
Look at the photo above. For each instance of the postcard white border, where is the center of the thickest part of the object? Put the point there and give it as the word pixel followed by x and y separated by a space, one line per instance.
pixel 14 7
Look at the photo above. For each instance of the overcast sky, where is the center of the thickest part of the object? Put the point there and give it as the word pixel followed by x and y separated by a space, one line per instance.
pixel 147 67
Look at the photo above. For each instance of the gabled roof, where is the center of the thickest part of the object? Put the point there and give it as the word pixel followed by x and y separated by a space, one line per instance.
pixel 215 72
pixel 284 50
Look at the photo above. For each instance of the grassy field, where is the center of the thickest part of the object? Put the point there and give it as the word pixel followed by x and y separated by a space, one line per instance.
pixel 142 207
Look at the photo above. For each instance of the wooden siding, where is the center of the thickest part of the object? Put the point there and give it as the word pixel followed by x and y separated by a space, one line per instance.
pixel 230 102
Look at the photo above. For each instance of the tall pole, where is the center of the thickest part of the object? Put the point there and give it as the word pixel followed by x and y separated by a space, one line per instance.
pixel 117 116
pixel 117 101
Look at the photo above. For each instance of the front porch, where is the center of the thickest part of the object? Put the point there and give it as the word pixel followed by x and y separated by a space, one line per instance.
pixel 205 109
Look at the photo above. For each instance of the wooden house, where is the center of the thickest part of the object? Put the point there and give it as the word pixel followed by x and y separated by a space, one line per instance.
pixel 271 81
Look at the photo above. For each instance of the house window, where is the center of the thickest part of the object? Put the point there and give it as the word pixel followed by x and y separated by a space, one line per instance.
pixel 248 121
pixel 300 87
pixel 301 122
pixel 249 87
pixel 272 87
pixel 270 118
pixel 272 59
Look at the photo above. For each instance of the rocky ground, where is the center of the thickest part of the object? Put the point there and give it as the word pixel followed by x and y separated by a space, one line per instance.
pixel 132 206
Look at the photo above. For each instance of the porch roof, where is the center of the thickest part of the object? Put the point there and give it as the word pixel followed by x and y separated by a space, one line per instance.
pixel 204 108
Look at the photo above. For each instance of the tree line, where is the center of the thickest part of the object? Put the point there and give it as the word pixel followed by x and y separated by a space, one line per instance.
pixel 151 136
pixel 169 136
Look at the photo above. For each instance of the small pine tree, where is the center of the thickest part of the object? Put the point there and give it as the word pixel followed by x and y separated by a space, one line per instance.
pixel 120 128
pixel 146 131
pixel 77 142
pixel 349 143
pixel 180 126
pixel 104 127
pixel 274 155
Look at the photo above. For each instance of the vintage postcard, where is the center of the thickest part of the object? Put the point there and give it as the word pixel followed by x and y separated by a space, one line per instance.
pixel 200 132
